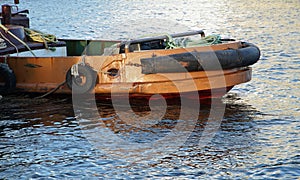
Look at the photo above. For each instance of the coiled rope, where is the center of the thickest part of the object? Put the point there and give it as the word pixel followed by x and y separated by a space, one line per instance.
pixel 2 44
pixel 187 42
pixel 38 36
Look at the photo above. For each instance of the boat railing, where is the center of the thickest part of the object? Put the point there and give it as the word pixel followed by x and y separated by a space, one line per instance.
pixel 162 37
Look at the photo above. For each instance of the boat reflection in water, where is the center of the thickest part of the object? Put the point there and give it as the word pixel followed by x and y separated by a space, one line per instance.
pixel 140 130
pixel 52 118
pixel 57 136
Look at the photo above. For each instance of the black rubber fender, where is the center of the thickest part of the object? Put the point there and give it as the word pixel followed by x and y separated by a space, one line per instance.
pixel 9 78
pixel 85 82
pixel 248 55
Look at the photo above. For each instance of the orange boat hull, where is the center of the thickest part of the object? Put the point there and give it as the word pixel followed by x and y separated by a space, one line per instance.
pixel 43 74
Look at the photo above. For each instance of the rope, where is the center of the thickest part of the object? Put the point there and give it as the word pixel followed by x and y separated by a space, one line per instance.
pixel 187 42
pixel 18 39
pixel 17 50
pixel 2 43
pixel 38 36
pixel 52 91
pixel 206 41
pixel 170 43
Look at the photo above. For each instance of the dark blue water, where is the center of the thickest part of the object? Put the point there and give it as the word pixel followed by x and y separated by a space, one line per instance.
pixel 256 138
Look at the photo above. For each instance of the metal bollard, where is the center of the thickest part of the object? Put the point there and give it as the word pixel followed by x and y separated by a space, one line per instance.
pixel 6 14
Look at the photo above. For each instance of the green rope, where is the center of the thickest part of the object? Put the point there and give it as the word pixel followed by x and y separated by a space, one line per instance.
pixel 206 41
pixel 38 36
pixel 186 42
pixel 170 43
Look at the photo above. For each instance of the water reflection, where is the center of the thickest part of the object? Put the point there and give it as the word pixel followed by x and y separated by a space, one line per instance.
pixel 44 132
pixel 18 112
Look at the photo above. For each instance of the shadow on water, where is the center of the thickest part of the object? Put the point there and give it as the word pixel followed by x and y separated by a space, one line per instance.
pixel 23 110
pixel 35 129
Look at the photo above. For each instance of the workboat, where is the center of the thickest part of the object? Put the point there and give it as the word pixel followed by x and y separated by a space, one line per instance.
pixel 169 65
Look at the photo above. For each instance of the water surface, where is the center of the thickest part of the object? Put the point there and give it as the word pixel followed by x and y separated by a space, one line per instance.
pixel 259 133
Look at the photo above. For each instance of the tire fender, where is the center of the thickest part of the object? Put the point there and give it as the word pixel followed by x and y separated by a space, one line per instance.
pixel 83 81
pixel 9 78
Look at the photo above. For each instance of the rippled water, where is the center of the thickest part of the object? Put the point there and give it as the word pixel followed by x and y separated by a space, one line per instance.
pixel 259 133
